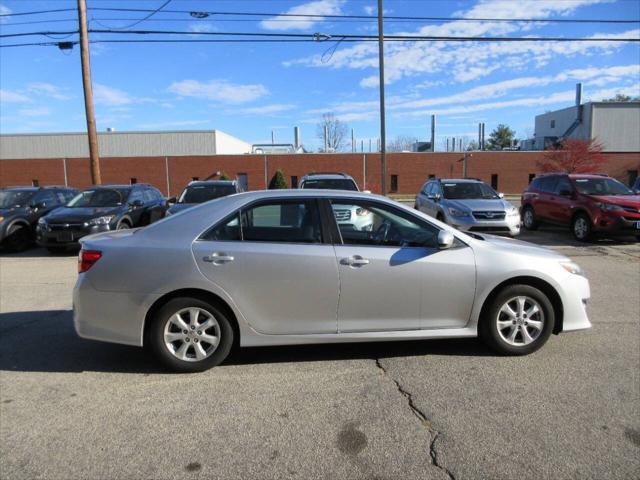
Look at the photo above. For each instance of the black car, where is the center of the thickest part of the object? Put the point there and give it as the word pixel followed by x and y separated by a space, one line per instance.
pixel 200 191
pixel 22 207
pixel 100 209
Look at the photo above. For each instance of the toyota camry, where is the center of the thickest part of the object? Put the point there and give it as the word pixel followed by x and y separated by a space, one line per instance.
pixel 277 268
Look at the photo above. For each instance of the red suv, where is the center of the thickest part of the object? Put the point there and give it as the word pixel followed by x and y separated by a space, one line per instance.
pixel 589 203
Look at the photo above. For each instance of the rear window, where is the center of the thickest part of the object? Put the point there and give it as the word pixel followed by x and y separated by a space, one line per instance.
pixel 204 193
pixel 331 184
pixel 544 184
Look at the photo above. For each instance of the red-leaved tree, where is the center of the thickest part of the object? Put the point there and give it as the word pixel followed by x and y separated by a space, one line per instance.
pixel 574 156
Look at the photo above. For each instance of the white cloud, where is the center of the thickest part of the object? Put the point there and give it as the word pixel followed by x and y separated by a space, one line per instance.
pixel 466 61
pixel 47 89
pixel 4 11
pixel 201 27
pixel 7 96
pixel 268 109
pixel 318 7
pixel 219 90
pixel 109 96
pixel 35 112
pixel 370 9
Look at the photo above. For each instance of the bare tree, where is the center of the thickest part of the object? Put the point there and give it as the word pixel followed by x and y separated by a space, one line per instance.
pixel 401 143
pixel 337 132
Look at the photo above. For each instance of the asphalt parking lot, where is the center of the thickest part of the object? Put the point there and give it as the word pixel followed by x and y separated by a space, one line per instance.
pixel 72 408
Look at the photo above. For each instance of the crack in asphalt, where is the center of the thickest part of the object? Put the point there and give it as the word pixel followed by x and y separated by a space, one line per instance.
pixel 423 419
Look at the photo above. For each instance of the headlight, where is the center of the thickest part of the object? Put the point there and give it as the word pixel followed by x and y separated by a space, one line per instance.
pixel 101 220
pixel 572 268
pixel 513 212
pixel 458 213
pixel 361 212
pixel 609 206
pixel 1 218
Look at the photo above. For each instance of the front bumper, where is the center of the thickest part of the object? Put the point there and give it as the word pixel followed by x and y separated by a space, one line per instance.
pixel 611 224
pixel 510 225
pixel 574 294
pixel 67 234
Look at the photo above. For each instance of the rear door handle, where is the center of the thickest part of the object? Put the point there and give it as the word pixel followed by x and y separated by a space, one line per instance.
pixel 218 258
pixel 354 261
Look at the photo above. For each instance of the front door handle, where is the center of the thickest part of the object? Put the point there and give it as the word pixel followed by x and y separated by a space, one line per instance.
pixel 218 258
pixel 354 261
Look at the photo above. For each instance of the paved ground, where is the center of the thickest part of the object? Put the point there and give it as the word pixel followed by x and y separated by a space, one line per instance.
pixel 72 408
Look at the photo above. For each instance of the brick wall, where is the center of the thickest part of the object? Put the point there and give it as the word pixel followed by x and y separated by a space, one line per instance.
pixel 412 169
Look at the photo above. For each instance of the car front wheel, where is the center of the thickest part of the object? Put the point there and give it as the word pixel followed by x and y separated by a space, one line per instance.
pixel 190 335
pixel 519 321
pixel 581 227
pixel 18 238
pixel 529 219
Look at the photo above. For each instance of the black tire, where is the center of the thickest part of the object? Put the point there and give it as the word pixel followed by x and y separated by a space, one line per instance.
pixel 440 217
pixel 156 341
pixel 529 219
pixel 491 335
pixel 18 238
pixel 581 227
pixel 123 225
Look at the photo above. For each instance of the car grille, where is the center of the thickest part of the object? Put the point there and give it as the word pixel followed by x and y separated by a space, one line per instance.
pixel 342 215
pixel 489 215
pixel 65 226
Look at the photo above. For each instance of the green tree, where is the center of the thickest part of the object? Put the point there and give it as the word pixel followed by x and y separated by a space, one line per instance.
pixel 278 181
pixel 224 176
pixel 620 97
pixel 501 137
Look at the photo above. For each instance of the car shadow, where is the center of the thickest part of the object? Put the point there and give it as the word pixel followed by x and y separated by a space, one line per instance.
pixel 552 236
pixel 37 252
pixel 45 341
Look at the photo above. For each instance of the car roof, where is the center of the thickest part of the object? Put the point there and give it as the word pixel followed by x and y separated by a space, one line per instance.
pixel 327 176
pixel 588 175
pixel 460 180
pixel 30 188
pixel 307 192
pixel 212 182
pixel 115 185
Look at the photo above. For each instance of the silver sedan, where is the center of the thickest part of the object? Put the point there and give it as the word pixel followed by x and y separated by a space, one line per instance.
pixel 276 268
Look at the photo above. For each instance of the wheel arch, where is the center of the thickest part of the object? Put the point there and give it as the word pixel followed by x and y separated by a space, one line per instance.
pixel 577 212
pixel 126 219
pixel 542 285
pixel 18 221
pixel 204 295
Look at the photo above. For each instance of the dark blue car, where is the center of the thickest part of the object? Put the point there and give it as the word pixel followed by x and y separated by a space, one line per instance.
pixel 201 191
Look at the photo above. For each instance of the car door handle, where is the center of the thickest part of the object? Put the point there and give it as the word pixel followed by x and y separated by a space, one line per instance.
pixel 218 257
pixel 355 261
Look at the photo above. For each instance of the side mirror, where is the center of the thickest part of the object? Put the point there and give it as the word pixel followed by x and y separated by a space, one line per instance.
pixel 137 203
pixel 445 239
pixel 501 195
pixel 435 197
pixel 37 205
pixel 172 200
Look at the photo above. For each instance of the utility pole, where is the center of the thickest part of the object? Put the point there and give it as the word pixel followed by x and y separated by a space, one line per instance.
pixel 383 159
pixel 94 157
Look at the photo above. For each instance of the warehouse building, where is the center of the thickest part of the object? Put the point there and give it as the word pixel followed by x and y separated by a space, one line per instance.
pixel 613 124
pixel 121 144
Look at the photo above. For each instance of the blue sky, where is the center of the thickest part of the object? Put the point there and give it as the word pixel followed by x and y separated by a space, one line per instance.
pixel 248 90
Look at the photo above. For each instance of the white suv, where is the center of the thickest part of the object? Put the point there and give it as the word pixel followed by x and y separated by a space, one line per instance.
pixel 358 218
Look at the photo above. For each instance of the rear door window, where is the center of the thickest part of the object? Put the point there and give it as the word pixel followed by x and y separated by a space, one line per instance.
pixel 548 184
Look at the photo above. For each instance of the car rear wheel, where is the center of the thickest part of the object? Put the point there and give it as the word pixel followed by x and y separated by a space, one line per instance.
pixel 190 335
pixel 18 238
pixel 519 321
pixel 529 219
pixel 581 227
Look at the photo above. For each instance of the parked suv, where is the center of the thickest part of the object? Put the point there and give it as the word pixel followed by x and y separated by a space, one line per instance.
pixel 99 209
pixel 468 204
pixel 22 207
pixel 202 191
pixel 589 204
pixel 359 219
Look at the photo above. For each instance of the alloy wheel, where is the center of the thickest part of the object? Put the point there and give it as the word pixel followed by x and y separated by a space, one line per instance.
pixel 528 218
pixel 520 321
pixel 192 334
pixel 580 227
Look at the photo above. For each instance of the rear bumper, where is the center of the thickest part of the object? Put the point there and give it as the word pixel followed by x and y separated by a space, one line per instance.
pixel 115 317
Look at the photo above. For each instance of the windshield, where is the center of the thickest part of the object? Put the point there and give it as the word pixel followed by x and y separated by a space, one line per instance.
pixel 204 193
pixel 331 184
pixel 15 198
pixel 466 190
pixel 102 197
pixel 601 186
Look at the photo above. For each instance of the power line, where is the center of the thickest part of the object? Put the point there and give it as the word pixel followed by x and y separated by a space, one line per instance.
pixel 142 19
pixel 293 16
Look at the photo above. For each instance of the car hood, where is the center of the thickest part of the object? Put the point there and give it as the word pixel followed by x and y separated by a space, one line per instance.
pixel 179 207
pixel 497 204
pixel 632 201
pixel 76 215
pixel 512 245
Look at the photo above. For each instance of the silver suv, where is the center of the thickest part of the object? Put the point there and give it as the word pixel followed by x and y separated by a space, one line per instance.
pixel 468 204
pixel 346 215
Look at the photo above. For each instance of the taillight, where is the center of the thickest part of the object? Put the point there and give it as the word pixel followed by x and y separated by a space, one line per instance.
pixel 87 258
